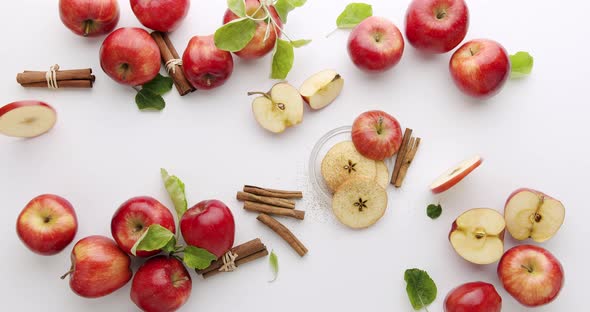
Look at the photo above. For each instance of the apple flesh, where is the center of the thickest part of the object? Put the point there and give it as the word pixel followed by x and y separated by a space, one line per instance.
pixel 473 297
pixel 531 274
pixel 321 89
pixel 278 109
pixel 209 225
pixel 47 224
pixel 89 18
pixel 27 119
pixel 130 56
pixel 477 235
pixel 376 135
pixel 375 44
pixel 205 66
pixel 454 175
pixel 160 15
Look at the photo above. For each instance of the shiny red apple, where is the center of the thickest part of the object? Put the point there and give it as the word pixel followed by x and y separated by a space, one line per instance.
pixel 89 18
pixel 376 135
pixel 209 225
pixel 160 15
pixel 205 66
pixel 473 297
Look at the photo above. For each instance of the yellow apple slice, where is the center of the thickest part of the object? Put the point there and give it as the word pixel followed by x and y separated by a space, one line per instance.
pixel 382 176
pixel 278 109
pixel 322 88
pixel 343 162
pixel 478 235
pixel 359 203
pixel 26 119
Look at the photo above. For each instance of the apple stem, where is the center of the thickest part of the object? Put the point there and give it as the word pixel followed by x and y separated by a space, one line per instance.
pixel 529 269
pixel 259 93
pixel 67 273
pixel 87 25
pixel 331 33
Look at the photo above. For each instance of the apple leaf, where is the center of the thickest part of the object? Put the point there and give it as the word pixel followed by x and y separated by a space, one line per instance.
pixel 147 99
pixel 434 211
pixel 300 43
pixel 283 7
pixel 282 59
pixel 155 237
pixel 353 14
pixel 521 64
pixel 175 188
pixel 198 258
pixel 420 287
pixel 170 247
pixel 237 6
pixel 235 35
pixel 159 85
pixel 273 260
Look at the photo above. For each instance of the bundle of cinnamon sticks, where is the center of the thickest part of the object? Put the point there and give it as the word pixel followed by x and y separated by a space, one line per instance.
pixel 75 78
pixel 405 157
pixel 243 254
pixel 172 62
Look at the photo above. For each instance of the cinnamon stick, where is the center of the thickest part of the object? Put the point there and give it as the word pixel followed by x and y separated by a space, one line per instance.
pixel 278 211
pixel 61 84
pixel 168 53
pixel 244 251
pixel 273 201
pixel 272 193
pixel 401 154
pixel 409 157
pixel 283 232
pixel 73 78
pixel 258 255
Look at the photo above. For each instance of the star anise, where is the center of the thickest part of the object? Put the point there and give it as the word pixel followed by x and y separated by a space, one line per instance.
pixel 360 204
pixel 350 167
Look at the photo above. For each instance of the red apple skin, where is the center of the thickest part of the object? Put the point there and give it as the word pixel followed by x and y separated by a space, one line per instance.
pixel 376 135
pixel 473 297
pixel 89 18
pixel 205 66
pixel 209 225
pixel 134 217
pixel 480 68
pixel 436 26
pixel 375 45
pixel 130 56
pixel 452 182
pixel 47 224
pixel 258 47
pixel 99 267
pixel 8 107
pixel 162 284
pixel 160 15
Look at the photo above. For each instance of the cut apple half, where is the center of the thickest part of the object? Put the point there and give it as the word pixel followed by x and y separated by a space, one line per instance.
pixel 478 235
pixel 26 119
pixel 322 88
pixel 359 203
pixel 454 175
pixel 532 214
pixel 278 109
pixel 382 175
pixel 343 162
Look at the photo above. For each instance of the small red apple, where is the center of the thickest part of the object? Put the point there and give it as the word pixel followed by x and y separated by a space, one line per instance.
pixel 130 56
pixel 160 15
pixel 134 217
pixel 436 26
pixel 209 225
pixel 376 135
pixel 99 267
pixel 47 224
pixel 375 44
pixel 205 66
pixel 473 297
pixel 162 284
pixel 480 67
pixel 258 47
pixel 27 119
pixel 89 18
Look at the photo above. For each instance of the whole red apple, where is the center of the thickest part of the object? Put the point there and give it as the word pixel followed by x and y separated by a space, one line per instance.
pixel 160 15
pixel 99 267
pixel 162 284
pixel 531 274
pixel 376 135
pixel 258 47
pixel 47 224
pixel 134 217
pixel 89 18
pixel 480 67
pixel 205 66
pixel 209 225
pixel 436 26
pixel 473 297
pixel 375 44
pixel 130 56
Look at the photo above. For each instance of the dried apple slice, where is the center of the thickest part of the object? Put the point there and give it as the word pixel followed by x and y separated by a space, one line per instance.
pixel 382 176
pixel 359 203
pixel 321 89
pixel 478 235
pixel 343 162
pixel 26 119
pixel 454 175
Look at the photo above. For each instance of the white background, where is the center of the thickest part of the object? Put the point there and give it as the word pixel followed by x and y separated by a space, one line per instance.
pixel 104 151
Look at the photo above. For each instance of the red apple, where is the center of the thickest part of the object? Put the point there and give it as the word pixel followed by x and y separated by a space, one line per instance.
pixel 473 297
pixel 436 26
pixel 89 18
pixel 531 274
pixel 376 135
pixel 47 224
pixel 134 217
pixel 375 44
pixel 99 267
pixel 26 119
pixel 480 67
pixel 130 56
pixel 162 284
pixel 205 66
pixel 258 47
pixel 455 174
pixel 209 225
pixel 160 15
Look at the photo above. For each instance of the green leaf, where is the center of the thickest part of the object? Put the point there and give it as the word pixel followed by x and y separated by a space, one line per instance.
pixel 170 247
pixel 273 260
pixel 235 35
pixel 353 14
pixel 155 237
pixel 198 258
pixel 159 85
pixel 434 211
pixel 175 189
pixel 147 99
pixel 282 59
pixel 283 7
pixel 300 43
pixel 420 287
pixel 521 64
pixel 237 6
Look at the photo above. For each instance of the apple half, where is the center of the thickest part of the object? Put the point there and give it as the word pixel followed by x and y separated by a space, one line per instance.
pixel 454 175
pixel 477 235
pixel 321 89
pixel 359 203
pixel 26 119
pixel 278 109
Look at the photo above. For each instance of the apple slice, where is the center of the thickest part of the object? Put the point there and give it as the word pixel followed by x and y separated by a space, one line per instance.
pixel 478 235
pixel 26 119
pixel 278 109
pixel 382 176
pixel 455 174
pixel 322 88
pixel 343 162
pixel 359 203
pixel 532 214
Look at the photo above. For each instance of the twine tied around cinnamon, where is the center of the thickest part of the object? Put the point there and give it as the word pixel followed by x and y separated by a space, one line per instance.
pixel 171 65
pixel 229 262
pixel 51 77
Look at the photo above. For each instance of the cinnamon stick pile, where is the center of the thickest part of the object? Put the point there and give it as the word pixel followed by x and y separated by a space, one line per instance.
pixel 172 62
pixel 243 253
pixel 56 78
pixel 405 157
